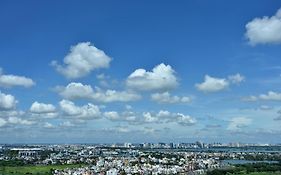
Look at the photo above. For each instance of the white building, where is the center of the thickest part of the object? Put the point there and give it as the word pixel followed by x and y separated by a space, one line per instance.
pixel 112 171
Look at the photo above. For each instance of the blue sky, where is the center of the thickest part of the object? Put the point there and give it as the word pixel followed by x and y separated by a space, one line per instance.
pixel 107 71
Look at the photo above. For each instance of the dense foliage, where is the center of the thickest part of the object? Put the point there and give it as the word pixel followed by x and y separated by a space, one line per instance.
pixel 248 168
pixel 11 163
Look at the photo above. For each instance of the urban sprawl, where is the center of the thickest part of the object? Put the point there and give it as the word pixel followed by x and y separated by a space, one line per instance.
pixel 145 158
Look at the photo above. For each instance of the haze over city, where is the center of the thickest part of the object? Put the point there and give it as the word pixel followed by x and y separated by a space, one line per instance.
pixel 100 72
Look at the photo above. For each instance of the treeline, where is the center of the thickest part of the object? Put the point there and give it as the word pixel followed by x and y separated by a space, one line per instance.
pixel 256 157
pixel 261 157
pixel 12 163
pixel 248 168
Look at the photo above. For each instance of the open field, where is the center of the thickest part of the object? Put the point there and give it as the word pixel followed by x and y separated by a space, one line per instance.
pixel 37 170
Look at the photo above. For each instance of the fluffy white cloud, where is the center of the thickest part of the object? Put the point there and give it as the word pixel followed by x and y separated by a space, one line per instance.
pixel 12 113
pixel 166 97
pixel 112 115
pixel 82 59
pixel 166 116
pixel 162 77
pixel 212 84
pixel 40 108
pixel 236 79
pixel 14 80
pixel 271 95
pixel 2 122
pixel 238 123
pixel 69 108
pixel 7 101
pixel 78 90
pixel 126 116
pixel 47 115
pixel 113 95
pixel 185 120
pixel 149 118
pixel 163 113
pixel 48 125
pixel 67 124
pixel 264 30
pixel 19 121
pixel 182 119
pixel 86 111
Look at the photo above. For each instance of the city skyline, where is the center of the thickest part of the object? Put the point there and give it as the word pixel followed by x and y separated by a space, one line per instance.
pixel 97 72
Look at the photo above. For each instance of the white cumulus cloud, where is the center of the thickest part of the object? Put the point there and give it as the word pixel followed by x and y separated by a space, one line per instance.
pixel 7 101
pixel 67 124
pixel 213 84
pixel 162 116
pixel 126 116
pixel 19 121
pixel 75 91
pixel 236 79
pixel 270 96
pixel 149 118
pixel 166 116
pixel 2 122
pixel 86 111
pixel 185 120
pixel 264 30
pixel 166 97
pixel 14 80
pixel 112 115
pixel 82 60
pixel 39 108
pixel 162 77
pixel 78 90
pixel 108 96
pixel 48 125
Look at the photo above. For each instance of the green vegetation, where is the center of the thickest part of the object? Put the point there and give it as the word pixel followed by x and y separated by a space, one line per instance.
pixel 33 170
pixel 252 169
pixel 11 153
pixel 4 163
pixel 235 172
pixel 264 173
